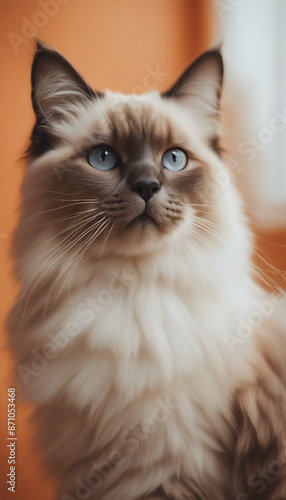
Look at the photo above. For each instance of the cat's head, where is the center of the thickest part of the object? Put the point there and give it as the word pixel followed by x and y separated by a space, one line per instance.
pixel 114 173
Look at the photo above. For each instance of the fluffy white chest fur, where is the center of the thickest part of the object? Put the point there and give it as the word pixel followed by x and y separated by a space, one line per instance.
pixel 138 352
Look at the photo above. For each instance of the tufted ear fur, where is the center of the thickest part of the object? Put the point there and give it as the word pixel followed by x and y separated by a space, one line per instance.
pixel 198 90
pixel 55 83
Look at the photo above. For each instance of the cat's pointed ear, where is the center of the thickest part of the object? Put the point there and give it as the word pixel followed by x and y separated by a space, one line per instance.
pixel 199 91
pixel 55 83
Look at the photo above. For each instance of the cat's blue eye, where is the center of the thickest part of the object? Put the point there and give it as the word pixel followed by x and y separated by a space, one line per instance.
pixel 103 157
pixel 174 159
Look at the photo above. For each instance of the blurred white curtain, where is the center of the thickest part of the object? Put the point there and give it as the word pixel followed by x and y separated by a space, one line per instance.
pixel 254 47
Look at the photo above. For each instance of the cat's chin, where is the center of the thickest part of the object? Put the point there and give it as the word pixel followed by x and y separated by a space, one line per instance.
pixel 141 236
pixel 137 248
pixel 145 226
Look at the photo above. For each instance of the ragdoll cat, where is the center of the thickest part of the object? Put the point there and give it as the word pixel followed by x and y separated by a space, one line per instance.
pixel 155 362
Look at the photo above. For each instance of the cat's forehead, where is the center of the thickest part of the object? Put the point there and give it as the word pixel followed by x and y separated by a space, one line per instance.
pixel 138 119
pixel 126 122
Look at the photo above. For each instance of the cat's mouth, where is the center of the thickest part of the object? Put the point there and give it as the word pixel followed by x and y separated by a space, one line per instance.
pixel 144 218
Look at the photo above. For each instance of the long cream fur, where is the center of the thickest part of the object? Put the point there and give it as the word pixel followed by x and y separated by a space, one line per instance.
pixel 131 348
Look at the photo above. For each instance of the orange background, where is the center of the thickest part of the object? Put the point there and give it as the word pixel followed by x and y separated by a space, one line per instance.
pixel 113 44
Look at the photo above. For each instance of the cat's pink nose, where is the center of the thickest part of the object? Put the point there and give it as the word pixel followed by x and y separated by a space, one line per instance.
pixel 146 188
